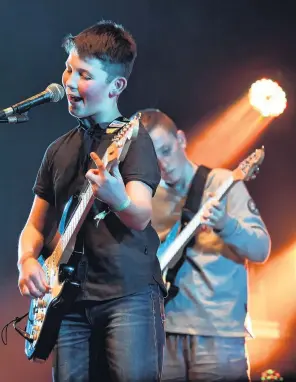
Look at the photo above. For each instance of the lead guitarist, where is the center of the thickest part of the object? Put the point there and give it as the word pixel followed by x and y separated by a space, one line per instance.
pixel 114 331
pixel 205 333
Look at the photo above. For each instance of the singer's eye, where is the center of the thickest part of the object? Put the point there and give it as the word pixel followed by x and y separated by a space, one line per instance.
pixel 85 76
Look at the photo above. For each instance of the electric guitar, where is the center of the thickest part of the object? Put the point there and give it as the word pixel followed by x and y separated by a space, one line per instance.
pixel 46 313
pixel 176 241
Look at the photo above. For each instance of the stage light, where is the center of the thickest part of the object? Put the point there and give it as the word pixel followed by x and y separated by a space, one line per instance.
pixel 267 97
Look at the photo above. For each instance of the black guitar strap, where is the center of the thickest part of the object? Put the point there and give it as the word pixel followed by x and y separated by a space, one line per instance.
pixel 190 208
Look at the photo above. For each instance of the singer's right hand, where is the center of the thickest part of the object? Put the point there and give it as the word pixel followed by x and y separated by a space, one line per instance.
pixel 32 281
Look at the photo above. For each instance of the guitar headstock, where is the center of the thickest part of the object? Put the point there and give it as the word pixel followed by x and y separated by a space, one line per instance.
pixel 121 141
pixel 249 168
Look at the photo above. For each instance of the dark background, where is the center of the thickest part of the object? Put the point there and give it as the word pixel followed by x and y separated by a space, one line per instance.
pixel 194 58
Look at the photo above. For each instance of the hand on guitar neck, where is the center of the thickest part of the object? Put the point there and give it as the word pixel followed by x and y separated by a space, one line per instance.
pixel 214 213
pixel 108 186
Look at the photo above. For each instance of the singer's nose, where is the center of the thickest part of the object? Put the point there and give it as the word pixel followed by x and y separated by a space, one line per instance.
pixel 69 81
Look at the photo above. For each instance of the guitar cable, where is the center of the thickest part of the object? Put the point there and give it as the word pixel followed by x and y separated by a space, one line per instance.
pixel 14 322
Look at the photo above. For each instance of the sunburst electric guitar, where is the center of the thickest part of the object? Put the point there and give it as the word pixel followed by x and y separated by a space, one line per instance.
pixel 172 247
pixel 46 313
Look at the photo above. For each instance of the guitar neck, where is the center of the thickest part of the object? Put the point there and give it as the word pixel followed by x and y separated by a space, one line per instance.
pixel 77 218
pixel 188 231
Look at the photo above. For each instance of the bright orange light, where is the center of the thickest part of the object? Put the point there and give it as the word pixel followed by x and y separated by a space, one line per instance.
pixel 268 98
pixel 223 139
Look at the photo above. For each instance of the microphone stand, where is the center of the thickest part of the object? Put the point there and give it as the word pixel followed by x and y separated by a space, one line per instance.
pixel 15 118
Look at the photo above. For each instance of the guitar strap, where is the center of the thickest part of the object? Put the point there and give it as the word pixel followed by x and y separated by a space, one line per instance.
pixel 92 140
pixel 191 207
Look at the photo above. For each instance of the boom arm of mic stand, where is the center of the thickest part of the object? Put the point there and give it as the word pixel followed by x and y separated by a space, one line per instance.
pixel 16 118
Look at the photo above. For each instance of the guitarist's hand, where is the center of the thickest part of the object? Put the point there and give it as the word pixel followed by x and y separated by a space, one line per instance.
pixel 214 213
pixel 108 187
pixel 32 282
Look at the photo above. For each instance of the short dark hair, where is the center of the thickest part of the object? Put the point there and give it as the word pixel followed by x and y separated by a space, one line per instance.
pixel 152 118
pixel 110 43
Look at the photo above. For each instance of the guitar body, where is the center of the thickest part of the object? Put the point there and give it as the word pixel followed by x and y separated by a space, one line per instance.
pixel 46 314
pixel 48 332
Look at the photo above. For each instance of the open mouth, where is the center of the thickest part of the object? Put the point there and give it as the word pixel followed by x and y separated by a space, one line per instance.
pixel 74 99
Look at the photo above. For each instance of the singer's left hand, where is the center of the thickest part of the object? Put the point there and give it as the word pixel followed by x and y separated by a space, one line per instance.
pixel 107 186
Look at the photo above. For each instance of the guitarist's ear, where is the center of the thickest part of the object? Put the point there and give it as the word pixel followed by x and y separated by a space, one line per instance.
pixel 117 86
pixel 181 139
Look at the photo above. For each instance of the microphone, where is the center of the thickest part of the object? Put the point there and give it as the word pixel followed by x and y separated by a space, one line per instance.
pixel 53 93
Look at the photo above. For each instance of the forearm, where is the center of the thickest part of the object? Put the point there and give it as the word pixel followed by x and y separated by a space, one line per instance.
pixel 137 215
pixel 30 243
pixel 249 240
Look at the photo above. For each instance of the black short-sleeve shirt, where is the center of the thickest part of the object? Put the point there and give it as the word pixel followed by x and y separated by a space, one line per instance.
pixel 118 261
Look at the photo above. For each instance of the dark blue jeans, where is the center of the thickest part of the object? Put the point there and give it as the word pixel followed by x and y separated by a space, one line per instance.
pixel 117 340
pixel 204 359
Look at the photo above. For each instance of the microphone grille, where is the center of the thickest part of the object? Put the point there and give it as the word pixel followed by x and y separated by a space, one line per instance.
pixel 56 91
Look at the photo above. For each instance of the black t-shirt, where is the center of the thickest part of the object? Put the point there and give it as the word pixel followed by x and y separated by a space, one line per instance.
pixel 118 261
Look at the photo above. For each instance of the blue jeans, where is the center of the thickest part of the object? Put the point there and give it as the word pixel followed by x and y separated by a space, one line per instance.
pixel 204 359
pixel 117 340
